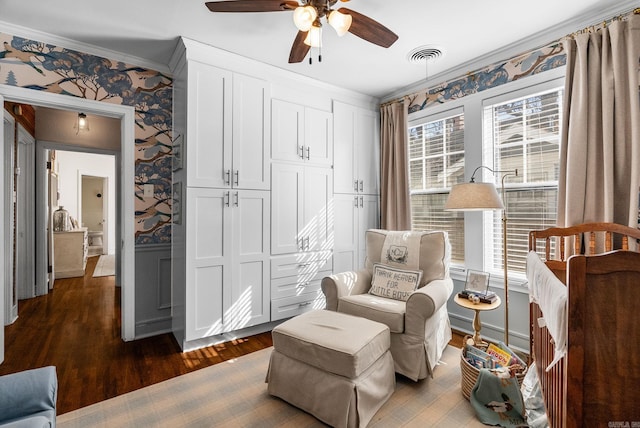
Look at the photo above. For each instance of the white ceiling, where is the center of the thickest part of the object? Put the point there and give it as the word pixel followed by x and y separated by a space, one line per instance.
pixel 464 29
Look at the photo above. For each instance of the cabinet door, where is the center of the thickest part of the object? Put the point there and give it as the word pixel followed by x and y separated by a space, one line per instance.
pixel 208 259
pixel 318 136
pixel 344 167
pixel 287 130
pixel 367 152
pixel 345 232
pixel 208 137
pixel 250 167
pixel 317 229
pixel 247 296
pixel 286 218
pixel 368 218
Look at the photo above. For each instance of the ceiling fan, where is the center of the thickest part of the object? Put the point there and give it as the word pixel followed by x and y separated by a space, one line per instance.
pixel 306 16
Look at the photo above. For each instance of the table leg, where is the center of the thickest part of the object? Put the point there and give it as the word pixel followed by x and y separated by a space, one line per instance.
pixel 477 340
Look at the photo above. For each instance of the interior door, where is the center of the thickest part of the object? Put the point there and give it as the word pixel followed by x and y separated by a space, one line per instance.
pixel 2 221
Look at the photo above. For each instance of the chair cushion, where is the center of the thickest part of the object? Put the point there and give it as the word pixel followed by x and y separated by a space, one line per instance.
pixel 386 311
pixel 435 253
pixel 331 341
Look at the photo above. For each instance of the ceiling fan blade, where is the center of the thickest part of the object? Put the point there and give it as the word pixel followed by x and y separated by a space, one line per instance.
pixel 369 29
pixel 299 50
pixel 251 5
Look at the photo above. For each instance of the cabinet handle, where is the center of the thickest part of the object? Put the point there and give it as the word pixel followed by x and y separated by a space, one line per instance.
pixel 355 201
pixel 301 245
pixel 306 240
pixel 361 185
pixel 237 174
pixel 237 201
pixel 308 152
pixel 355 185
pixel 226 199
pixel 361 201
pixel 227 176
pixel 302 305
pixel 301 149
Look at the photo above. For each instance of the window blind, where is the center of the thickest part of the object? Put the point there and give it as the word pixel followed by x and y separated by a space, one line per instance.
pixel 436 162
pixel 523 133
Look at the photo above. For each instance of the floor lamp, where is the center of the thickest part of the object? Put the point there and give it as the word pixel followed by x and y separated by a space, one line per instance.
pixel 474 196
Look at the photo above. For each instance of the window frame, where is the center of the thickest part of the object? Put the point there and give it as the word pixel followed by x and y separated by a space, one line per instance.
pixel 472 106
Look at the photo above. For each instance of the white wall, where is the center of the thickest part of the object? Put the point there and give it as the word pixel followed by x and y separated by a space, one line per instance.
pixel 71 167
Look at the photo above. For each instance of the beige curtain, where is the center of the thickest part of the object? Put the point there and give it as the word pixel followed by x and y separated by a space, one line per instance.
pixel 395 209
pixel 600 147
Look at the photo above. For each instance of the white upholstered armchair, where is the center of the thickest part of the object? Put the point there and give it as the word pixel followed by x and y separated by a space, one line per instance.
pixel 419 326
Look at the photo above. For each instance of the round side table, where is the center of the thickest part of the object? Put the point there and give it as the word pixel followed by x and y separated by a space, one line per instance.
pixel 477 307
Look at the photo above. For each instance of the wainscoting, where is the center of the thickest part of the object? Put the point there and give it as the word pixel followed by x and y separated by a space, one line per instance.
pixel 153 290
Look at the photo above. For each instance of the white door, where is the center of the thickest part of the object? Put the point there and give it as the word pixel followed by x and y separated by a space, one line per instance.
pixel 25 216
pixel 287 131
pixel 345 232
pixel 367 149
pixel 344 150
pixel 208 259
pixel 3 137
pixel 247 296
pixel 208 145
pixel 286 209
pixel 250 169
pixel 318 136
pixel 317 231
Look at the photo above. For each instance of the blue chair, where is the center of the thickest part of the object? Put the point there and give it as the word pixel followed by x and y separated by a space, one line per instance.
pixel 28 398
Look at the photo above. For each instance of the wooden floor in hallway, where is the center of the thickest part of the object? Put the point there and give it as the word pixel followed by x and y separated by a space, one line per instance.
pixel 76 328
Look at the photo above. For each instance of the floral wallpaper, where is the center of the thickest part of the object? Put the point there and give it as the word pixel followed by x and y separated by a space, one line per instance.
pixel 42 67
pixel 530 63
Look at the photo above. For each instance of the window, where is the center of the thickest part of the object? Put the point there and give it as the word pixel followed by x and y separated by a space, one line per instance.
pixel 436 162
pixel 522 133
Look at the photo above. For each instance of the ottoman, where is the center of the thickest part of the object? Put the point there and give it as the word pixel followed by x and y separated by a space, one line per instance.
pixel 335 366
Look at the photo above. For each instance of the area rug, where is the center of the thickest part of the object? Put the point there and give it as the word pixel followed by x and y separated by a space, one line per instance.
pixel 233 394
pixel 106 266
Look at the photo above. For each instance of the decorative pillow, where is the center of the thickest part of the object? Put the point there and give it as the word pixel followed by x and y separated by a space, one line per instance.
pixel 394 283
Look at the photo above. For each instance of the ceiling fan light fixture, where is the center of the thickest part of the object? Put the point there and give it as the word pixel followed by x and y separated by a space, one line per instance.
pixel 304 17
pixel 314 37
pixel 340 22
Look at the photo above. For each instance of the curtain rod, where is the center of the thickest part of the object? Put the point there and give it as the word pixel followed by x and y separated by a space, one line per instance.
pixel 397 100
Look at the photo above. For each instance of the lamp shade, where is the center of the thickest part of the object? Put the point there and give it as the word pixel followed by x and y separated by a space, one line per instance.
pixel 303 17
pixel 340 22
pixel 473 197
pixel 314 37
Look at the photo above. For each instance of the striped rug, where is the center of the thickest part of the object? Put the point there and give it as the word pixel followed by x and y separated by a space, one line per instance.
pixel 233 394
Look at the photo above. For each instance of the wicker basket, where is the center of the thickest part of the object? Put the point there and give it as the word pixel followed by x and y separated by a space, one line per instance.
pixel 470 376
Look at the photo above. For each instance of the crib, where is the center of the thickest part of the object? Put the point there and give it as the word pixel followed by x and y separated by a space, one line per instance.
pixel 596 383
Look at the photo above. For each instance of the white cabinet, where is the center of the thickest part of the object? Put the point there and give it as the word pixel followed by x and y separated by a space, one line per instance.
pixel 301 208
pixel 227 136
pixel 353 215
pixel 300 133
pixel 70 253
pixel 356 150
pixel 227 261
pixel 295 283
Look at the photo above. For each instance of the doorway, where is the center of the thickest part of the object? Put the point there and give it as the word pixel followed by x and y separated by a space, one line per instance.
pixel 94 213
pixel 125 231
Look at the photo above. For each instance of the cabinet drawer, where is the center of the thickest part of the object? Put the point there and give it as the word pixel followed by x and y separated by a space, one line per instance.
pixel 292 306
pixel 295 286
pixel 307 264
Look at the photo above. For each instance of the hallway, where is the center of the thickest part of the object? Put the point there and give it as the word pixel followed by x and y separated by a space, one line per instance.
pixel 76 328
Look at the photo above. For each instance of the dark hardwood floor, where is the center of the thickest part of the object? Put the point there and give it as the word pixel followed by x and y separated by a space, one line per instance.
pixel 76 328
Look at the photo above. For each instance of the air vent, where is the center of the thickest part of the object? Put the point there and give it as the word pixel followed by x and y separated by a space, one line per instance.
pixel 424 53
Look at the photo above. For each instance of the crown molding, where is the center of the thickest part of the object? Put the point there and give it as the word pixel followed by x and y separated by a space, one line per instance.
pixel 519 47
pixel 30 33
